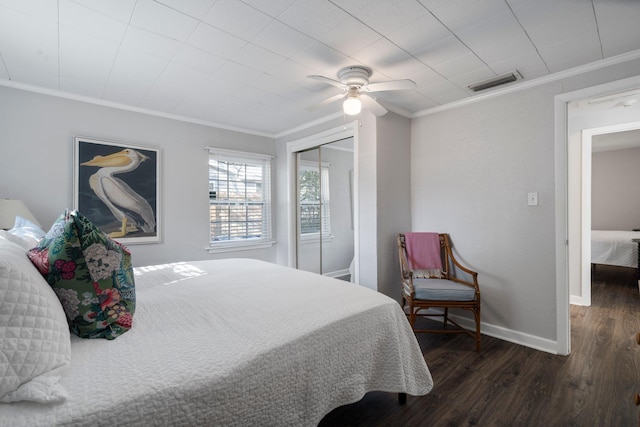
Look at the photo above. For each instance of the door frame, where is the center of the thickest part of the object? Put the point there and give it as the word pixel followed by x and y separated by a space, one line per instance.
pixel 569 186
pixel 587 151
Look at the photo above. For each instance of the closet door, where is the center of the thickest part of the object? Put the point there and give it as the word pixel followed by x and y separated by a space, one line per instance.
pixel 325 227
pixel 310 210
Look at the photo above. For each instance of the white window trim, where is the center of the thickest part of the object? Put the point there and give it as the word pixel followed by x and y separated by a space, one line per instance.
pixel 218 248
pixel 239 155
pixel 315 237
pixel 249 244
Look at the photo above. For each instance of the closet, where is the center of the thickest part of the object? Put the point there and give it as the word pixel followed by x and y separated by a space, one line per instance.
pixel 324 209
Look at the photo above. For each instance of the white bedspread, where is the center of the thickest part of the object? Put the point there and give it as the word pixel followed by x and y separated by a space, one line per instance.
pixel 236 342
pixel 613 247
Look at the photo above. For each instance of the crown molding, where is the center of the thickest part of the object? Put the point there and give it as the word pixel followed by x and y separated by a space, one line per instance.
pixel 101 102
pixel 523 85
pixel 528 84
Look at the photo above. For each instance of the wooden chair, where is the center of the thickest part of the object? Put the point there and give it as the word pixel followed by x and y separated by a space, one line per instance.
pixel 457 287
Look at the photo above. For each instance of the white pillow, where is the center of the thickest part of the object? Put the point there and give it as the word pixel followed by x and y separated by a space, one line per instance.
pixel 25 233
pixel 4 234
pixel 35 344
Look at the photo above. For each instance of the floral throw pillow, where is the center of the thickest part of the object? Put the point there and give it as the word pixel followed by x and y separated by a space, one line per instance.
pixel 90 273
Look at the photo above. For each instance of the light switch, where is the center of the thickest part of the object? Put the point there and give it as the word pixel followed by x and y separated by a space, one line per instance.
pixel 532 198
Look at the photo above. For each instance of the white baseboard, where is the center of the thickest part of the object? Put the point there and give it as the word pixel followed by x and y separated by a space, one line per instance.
pixel 509 335
pixel 576 300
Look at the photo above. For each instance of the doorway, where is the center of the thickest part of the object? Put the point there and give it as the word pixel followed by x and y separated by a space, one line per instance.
pixel 589 137
pixel 570 229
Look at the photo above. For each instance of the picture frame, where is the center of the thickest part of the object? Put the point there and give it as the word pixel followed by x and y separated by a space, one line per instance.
pixel 117 187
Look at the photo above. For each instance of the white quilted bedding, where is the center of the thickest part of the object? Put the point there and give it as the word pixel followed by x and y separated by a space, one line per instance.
pixel 236 342
pixel 614 247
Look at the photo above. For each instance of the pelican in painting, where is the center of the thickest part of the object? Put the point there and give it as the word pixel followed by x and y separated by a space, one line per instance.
pixel 124 203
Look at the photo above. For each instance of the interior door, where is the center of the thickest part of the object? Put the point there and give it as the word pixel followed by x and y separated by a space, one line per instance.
pixel 309 221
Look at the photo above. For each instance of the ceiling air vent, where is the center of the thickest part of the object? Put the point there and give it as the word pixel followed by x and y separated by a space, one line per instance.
pixel 496 81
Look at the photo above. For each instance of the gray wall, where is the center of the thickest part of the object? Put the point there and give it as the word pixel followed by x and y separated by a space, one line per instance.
pixel 36 165
pixel 393 197
pixel 615 190
pixel 472 168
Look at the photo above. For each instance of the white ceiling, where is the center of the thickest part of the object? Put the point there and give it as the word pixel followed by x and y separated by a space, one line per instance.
pixel 243 63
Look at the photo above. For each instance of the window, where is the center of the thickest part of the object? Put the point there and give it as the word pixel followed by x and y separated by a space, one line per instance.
pixel 314 200
pixel 239 200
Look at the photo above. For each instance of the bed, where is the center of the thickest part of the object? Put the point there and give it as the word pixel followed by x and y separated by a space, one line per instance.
pixel 227 342
pixel 614 247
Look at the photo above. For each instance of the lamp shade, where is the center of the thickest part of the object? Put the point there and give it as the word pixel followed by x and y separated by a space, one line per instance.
pixel 10 209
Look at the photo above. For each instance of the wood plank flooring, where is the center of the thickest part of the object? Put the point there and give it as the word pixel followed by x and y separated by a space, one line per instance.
pixel 511 385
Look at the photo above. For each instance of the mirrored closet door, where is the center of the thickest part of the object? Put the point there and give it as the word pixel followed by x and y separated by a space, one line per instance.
pixel 325 235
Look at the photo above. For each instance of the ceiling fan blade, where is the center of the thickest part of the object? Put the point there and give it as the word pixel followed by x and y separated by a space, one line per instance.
pixel 327 80
pixel 372 105
pixel 391 85
pixel 327 101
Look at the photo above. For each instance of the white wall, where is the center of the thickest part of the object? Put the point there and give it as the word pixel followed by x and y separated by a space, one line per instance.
pixel 615 194
pixel 472 167
pixel 36 165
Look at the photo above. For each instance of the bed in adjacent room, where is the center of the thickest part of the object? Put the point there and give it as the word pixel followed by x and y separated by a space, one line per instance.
pixel 614 247
pixel 226 342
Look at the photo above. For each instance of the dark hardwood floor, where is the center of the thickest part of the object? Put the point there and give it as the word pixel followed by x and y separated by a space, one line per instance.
pixel 511 385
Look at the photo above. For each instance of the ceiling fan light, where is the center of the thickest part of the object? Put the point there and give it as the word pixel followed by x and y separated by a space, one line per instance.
pixel 352 106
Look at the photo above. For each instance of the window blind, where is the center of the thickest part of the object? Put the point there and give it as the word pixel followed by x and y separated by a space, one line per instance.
pixel 239 198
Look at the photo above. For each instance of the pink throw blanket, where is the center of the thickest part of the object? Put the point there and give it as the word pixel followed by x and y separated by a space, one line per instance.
pixel 423 253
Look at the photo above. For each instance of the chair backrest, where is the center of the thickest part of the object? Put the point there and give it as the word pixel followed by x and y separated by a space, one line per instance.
pixel 445 255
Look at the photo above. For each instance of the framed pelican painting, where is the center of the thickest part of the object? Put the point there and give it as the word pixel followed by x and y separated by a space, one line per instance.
pixel 117 186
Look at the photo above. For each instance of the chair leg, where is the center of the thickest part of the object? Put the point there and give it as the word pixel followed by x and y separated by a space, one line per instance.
pixel 446 317
pixel 412 316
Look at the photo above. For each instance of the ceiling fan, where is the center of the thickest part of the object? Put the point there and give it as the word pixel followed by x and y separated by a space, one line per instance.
pixel 354 81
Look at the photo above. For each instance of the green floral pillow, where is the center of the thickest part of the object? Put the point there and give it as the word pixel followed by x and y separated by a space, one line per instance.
pixel 90 273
